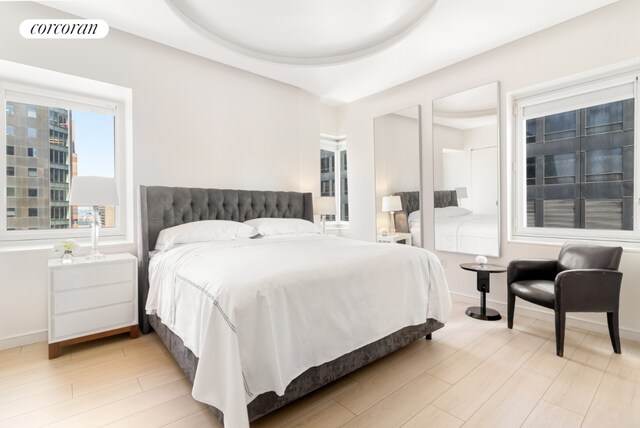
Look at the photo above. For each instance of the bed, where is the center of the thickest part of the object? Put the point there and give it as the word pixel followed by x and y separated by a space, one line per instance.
pixel 456 229
pixel 460 230
pixel 204 354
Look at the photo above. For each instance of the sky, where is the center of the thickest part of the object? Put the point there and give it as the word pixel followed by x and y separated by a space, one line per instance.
pixel 94 136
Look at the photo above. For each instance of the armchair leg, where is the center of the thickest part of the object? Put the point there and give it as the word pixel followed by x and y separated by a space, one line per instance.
pixel 511 304
pixel 614 333
pixel 561 317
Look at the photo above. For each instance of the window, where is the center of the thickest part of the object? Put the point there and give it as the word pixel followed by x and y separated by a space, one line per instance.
pixel 11 212
pixel 11 150
pixel 574 170
pixel 71 127
pixel 333 176
pixel 11 191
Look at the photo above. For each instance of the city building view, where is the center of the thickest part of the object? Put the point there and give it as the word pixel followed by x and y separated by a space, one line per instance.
pixel 333 179
pixel 41 162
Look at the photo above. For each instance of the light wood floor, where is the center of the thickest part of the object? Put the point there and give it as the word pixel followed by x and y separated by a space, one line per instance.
pixel 473 373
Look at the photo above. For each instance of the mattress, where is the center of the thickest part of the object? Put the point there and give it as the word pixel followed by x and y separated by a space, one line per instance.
pixel 258 313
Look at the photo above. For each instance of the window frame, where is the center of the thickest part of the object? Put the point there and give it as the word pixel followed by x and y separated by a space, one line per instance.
pixel 336 145
pixel 559 92
pixel 26 84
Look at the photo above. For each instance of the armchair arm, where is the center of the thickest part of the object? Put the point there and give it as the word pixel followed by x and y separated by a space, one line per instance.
pixel 588 290
pixel 524 269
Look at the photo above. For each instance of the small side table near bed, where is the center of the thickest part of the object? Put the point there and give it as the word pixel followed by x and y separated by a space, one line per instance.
pixel 397 238
pixel 90 299
pixel 483 272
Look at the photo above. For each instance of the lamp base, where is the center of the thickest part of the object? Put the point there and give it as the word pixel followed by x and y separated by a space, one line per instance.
pixel 392 231
pixel 95 255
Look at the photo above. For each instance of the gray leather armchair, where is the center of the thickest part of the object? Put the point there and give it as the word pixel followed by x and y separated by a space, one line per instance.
pixel 585 278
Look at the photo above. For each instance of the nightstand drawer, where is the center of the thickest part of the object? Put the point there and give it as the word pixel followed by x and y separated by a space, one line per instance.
pixel 92 274
pixel 104 318
pixel 85 298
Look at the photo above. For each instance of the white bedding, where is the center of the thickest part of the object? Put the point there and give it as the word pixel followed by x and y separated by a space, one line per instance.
pixel 416 235
pixel 471 233
pixel 259 312
pixel 414 220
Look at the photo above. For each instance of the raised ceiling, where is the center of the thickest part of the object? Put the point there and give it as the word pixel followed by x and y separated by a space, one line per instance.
pixel 337 50
pixel 304 32
pixel 468 109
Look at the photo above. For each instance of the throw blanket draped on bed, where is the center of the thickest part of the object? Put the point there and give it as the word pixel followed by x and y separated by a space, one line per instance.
pixel 259 312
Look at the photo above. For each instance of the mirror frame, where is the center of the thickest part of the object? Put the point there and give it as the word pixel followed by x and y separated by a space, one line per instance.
pixel 498 172
pixel 420 171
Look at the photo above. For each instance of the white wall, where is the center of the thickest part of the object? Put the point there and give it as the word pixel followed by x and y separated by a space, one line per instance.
pixel 195 123
pixel 444 177
pixel 603 37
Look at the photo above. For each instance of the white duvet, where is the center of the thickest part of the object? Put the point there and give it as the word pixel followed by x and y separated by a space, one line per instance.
pixel 471 233
pixel 259 312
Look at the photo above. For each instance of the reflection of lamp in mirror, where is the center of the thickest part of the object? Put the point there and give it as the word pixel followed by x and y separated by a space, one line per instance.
pixel 324 205
pixel 95 192
pixel 461 193
pixel 391 204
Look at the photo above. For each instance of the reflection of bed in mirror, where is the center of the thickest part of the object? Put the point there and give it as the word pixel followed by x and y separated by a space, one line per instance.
pixel 460 230
pixel 408 220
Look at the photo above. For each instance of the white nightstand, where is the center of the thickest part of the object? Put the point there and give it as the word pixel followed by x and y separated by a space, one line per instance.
pixel 90 299
pixel 398 237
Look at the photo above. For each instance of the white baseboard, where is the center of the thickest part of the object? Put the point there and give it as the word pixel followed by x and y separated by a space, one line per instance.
pixel 24 339
pixel 547 315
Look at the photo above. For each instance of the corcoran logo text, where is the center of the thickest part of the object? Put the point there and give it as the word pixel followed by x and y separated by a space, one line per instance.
pixel 64 29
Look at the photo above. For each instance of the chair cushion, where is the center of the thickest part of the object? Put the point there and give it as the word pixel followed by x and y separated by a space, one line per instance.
pixel 535 291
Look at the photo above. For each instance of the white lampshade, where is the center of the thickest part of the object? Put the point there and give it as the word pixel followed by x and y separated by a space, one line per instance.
pixel 461 192
pixel 93 191
pixel 391 203
pixel 324 205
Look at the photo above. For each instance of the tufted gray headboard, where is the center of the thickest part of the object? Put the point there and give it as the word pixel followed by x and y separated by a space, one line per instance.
pixel 163 207
pixel 445 198
pixel 410 203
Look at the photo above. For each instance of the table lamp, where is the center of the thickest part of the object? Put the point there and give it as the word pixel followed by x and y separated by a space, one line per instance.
pixel 94 192
pixel 324 205
pixel 391 204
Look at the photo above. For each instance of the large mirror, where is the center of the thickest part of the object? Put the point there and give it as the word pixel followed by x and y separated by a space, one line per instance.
pixel 397 175
pixel 466 171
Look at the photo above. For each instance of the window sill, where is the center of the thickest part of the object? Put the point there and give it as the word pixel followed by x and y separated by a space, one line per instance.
pixel 550 241
pixel 111 246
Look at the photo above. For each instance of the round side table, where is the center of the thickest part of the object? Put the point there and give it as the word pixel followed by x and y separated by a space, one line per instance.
pixel 483 271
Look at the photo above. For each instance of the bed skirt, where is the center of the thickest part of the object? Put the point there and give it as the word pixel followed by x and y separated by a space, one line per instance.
pixel 312 378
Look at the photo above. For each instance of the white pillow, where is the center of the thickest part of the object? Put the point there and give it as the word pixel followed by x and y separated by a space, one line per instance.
pixel 451 212
pixel 414 218
pixel 282 226
pixel 203 231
